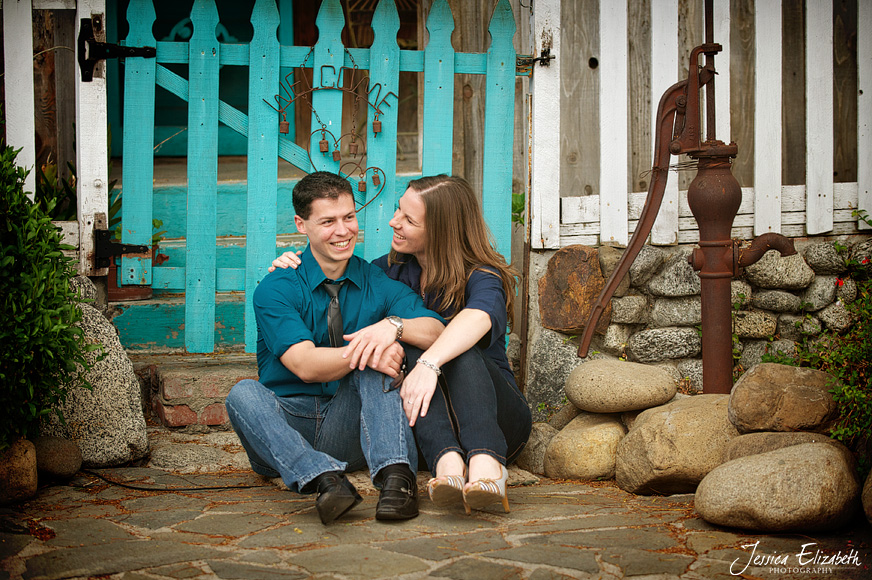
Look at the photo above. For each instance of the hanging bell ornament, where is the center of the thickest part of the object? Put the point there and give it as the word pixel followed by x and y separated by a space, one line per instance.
pixel 361 185
pixel 376 180
pixel 324 145
pixel 376 126
pixel 352 148
pixel 336 155
pixel 284 126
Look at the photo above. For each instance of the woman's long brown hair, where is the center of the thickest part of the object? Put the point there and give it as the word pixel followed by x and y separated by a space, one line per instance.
pixel 458 242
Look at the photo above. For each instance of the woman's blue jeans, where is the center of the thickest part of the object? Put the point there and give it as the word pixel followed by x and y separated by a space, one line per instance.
pixel 474 410
pixel 300 437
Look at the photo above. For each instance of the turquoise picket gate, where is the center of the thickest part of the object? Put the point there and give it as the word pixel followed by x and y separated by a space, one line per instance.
pixel 265 58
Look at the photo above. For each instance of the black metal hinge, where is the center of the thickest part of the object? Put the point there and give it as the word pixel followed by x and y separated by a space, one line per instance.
pixel 91 50
pixel 105 248
pixel 524 63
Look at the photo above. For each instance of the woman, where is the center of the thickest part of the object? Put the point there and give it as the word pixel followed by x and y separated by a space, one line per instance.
pixel 460 395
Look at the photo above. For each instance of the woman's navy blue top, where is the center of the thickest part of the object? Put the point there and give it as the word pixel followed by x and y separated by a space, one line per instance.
pixel 484 291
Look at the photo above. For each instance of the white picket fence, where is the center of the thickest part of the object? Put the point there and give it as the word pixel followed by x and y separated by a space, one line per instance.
pixel 820 207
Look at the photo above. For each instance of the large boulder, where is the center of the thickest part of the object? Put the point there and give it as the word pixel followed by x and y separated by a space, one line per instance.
pixel 613 386
pixel 569 289
pixel 585 449
pixel 532 458
pixel 56 457
pixel 671 448
pixel 551 358
pixel 677 278
pixel 811 487
pixel 106 422
pixel 18 475
pixel 867 498
pixel 774 397
pixel 764 442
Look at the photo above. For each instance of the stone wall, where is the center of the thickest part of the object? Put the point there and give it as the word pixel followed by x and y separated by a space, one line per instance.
pixel 655 314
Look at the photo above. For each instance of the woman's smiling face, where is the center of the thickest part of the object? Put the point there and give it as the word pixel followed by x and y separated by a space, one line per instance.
pixel 410 233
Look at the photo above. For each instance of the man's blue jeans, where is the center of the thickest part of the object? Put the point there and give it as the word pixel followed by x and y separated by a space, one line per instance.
pixel 302 436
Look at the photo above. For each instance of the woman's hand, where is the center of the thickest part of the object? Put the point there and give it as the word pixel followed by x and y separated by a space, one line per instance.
pixel 287 260
pixel 417 391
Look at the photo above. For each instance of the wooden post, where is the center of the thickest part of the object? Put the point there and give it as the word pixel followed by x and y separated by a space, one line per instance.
pixel 664 74
pixel 767 118
pixel 18 80
pixel 864 109
pixel 544 205
pixel 263 132
pixel 438 123
pixel 498 128
pixel 613 123
pixel 384 69
pixel 819 116
pixel 92 164
pixel 200 256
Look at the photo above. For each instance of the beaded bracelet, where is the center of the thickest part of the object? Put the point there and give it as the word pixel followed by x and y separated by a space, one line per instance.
pixel 430 366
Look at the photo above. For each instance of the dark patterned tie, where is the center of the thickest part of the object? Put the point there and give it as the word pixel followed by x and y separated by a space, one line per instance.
pixel 334 314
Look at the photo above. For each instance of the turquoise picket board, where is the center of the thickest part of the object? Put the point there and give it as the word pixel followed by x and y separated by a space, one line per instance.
pixel 438 122
pixel 262 154
pixel 499 128
pixel 286 37
pixel 202 184
pixel 382 147
pixel 139 93
pixel 328 58
pixel 250 210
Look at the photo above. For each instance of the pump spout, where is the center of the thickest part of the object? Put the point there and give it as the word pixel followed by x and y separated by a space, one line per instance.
pixel 763 244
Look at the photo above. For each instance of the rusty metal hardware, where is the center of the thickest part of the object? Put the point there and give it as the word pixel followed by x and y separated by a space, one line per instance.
pixel 376 126
pixel 524 62
pixel 337 155
pixel 714 197
pixel 91 49
pixel 105 249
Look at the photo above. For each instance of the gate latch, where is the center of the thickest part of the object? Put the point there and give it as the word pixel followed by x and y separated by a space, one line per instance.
pixel 524 63
pixel 92 47
pixel 105 249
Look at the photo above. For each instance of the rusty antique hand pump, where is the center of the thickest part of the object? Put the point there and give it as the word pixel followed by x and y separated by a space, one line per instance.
pixel 714 197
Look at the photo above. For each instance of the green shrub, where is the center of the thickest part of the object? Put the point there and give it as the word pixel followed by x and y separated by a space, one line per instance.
pixel 42 351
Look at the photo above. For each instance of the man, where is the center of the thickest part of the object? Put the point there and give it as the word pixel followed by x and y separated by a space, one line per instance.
pixel 319 410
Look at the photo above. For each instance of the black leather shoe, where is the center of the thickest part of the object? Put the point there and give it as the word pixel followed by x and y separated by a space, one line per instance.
pixel 336 495
pixel 398 499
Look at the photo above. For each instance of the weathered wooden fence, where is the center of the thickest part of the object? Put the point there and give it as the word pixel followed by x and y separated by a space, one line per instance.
pixel 329 60
pixel 611 88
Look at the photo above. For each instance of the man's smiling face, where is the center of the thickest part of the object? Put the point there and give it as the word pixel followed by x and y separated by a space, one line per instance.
pixel 332 231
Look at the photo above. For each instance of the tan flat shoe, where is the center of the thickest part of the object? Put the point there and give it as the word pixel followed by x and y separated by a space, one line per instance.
pixel 485 492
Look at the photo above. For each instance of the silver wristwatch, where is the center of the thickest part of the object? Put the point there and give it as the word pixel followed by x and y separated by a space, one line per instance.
pixel 398 322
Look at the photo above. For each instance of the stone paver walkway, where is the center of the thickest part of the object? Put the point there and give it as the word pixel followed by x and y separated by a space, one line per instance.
pixel 93 529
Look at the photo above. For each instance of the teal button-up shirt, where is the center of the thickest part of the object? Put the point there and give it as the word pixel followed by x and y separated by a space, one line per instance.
pixel 291 307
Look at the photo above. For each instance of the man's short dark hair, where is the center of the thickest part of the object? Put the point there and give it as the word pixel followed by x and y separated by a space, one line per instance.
pixel 318 185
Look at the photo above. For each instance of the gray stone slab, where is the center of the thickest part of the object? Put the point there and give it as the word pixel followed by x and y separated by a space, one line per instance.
pixel 552 555
pixel 268 557
pixel 164 501
pixel 179 570
pixel 274 508
pixel 112 558
pixel 585 522
pixel 232 525
pixel 238 571
pixel 545 574
pixel 86 531
pixel 441 547
pixel 474 569
pixel 11 544
pixel 359 562
pixel 299 533
pixel 641 562
pixel 642 538
pixel 154 520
